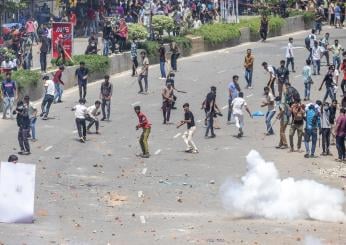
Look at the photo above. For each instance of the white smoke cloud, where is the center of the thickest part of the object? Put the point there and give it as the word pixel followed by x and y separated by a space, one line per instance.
pixel 310 240
pixel 262 193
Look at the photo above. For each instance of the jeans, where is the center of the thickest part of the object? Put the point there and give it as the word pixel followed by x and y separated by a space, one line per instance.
pixel 93 121
pixel 210 124
pixel 33 127
pixel 268 118
pixel 166 110
pixel 122 41
pixel 248 77
pixel 43 61
pixel 81 127
pixel 336 62
pixel 299 128
pixel 174 58
pixel 143 140
pixel 105 47
pixel 145 77
pixel 263 34
pixel 290 61
pixel 46 103
pixel 316 66
pixel 340 145
pixel 134 65
pixel 325 139
pixel 307 89
pixel 330 93
pixel 343 86
pixel 283 140
pixel 326 54
pixel 82 87
pixel 310 133
pixel 8 103
pixel 23 139
pixel 162 69
pixel 187 136
pixel 58 92
pixel 230 112
pixel 318 26
pixel 106 104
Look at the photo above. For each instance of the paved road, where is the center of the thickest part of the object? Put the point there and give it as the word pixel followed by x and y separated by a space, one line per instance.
pixel 74 180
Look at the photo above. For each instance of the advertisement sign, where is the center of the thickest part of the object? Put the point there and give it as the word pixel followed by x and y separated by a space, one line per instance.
pixel 62 39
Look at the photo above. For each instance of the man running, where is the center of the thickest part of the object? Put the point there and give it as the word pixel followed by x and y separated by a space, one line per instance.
pixel 167 100
pixel 58 84
pixel 48 97
pixel 106 96
pixel 82 79
pixel 191 128
pixel 80 113
pixel 146 126
pixel 93 112
pixel 237 107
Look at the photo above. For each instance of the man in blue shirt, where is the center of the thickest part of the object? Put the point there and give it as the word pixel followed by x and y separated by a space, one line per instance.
pixel 312 123
pixel 82 77
pixel 9 92
pixel 233 92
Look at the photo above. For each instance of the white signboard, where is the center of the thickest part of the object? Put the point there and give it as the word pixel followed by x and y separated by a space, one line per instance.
pixel 17 192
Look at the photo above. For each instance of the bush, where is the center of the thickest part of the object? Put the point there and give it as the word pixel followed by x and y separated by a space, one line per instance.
pixel 253 24
pixel 24 78
pixel 218 33
pixel 308 16
pixel 162 23
pixel 182 42
pixel 67 62
pixel 137 31
pixel 150 47
pixel 94 62
pixel 275 23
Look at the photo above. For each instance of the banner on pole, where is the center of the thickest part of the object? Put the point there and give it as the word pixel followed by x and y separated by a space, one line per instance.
pixel 62 39
pixel 17 192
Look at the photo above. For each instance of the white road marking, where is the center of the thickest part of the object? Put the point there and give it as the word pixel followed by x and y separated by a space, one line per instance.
pixel 140 194
pixel 157 152
pixel 135 103
pixel 144 171
pixel 248 96
pixel 142 218
pixel 48 148
pixel 177 135
pixel 222 71
pixel 298 76
pixel 224 107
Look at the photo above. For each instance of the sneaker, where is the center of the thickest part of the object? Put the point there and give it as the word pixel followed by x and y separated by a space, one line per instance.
pixel 26 153
pixel 284 147
pixel 140 91
pixel 41 115
pixel 144 155
pixel 278 146
pixel 97 132
pixel 212 136
pixel 103 118
pixel 313 156
pixel 195 151
pixel 82 140
pixel 291 150
pixel 21 152
pixel 45 118
pixel 306 155
pixel 189 150
pixel 33 140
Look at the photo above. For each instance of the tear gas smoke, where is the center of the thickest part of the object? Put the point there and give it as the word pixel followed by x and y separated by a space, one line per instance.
pixel 262 193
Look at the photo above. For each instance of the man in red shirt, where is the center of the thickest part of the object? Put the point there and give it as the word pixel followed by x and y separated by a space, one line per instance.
pixel 58 84
pixel 146 126
pixel 343 83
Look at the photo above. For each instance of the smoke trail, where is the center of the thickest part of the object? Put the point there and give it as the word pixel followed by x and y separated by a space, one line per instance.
pixel 262 193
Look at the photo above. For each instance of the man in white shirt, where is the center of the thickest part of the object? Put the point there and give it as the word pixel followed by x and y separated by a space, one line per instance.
pixel 80 112
pixel 48 97
pixel 316 54
pixel 289 54
pixel 7 64
pixel 272 76
pixel 237 107
pixel 93 112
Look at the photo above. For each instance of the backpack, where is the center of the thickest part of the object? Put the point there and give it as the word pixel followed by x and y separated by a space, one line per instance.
pixel 292 95
pixel 287 111
pixel 298 114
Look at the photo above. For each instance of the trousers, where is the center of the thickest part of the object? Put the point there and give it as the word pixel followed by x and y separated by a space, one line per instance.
pixel 143 140
pixel 187 136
